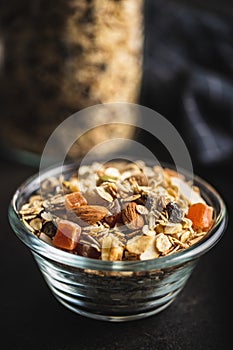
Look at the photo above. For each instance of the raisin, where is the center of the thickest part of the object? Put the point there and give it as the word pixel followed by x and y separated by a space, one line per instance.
pixel 87 251
pixel 49 229
pixel 175 214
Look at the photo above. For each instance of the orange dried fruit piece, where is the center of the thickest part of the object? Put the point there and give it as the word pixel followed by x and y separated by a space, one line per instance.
pixel 67 235
pixel 74 200
pixel 201 216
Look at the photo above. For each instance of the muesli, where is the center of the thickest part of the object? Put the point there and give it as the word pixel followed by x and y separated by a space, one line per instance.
pixel 118 211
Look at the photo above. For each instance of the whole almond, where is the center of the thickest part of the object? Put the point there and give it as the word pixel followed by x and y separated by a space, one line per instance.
pixel 131 218
pixel 91 213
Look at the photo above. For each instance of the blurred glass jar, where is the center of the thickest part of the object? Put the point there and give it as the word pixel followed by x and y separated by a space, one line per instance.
pixel 60 58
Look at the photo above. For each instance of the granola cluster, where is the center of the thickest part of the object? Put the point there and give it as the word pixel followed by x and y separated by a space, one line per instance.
pixel 118 211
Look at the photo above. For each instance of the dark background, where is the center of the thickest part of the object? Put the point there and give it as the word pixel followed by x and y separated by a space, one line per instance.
pixel 188 66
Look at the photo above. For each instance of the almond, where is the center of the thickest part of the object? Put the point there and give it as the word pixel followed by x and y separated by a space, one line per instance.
pixel 91 213
pixel 131 218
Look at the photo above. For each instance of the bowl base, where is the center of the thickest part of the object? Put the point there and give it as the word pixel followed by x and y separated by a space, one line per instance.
pixel 114 318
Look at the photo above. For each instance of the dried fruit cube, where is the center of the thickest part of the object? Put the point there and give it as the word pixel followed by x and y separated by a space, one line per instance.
pixel 201 216
pixel 74 200
pixel 67 235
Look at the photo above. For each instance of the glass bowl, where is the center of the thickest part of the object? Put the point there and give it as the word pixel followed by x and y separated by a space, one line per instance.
pixel 114 291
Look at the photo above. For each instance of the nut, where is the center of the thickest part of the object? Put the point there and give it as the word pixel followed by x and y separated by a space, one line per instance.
pixel 91 213
pixel 131 218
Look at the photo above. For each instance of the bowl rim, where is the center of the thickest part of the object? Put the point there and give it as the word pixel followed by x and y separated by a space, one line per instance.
pixel 42 248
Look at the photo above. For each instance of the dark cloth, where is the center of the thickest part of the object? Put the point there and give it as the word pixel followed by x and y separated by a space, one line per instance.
pixel 188 75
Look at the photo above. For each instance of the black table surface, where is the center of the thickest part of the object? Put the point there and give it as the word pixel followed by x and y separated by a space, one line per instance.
pixel 31 318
